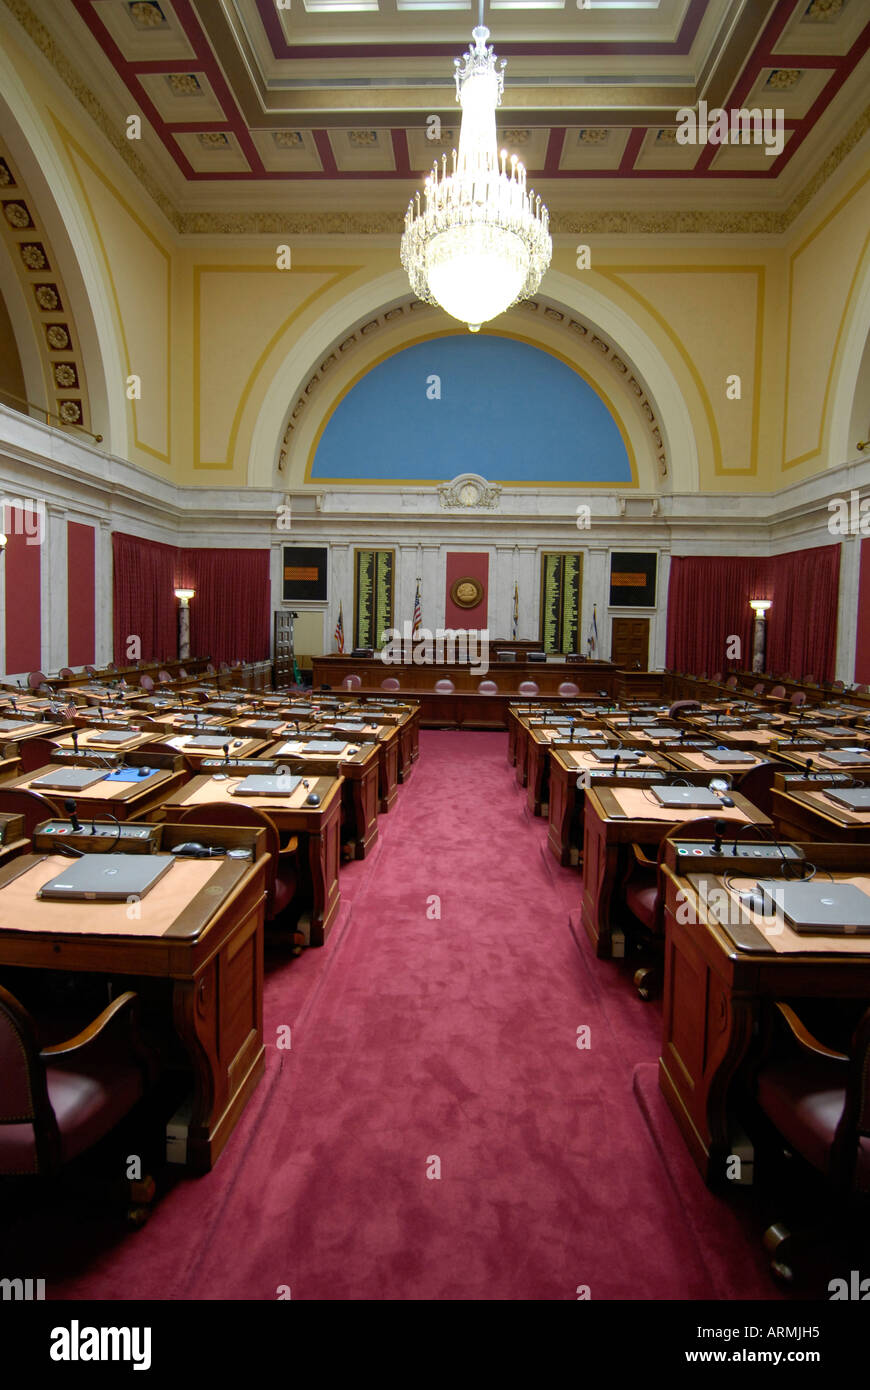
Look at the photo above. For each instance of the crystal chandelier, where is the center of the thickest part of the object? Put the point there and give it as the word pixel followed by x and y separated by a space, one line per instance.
pixel 480 242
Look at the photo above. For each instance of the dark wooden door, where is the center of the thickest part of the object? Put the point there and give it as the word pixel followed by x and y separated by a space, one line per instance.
pixel 629 643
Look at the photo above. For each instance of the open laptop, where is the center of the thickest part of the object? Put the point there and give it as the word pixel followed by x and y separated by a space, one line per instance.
pixel 107 877
pixel 850 798
pixel 70 779
pixel 727 755
pixel 852 757
pixel 266 786
pixel 696 798
pixel 837 909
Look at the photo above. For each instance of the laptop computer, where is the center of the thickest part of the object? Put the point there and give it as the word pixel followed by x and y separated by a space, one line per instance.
pixel 835 909
pixel 324 746
pixel 697 798
pixel 266 786
pixel 607 755
pixel 727 755
pixel 107 877
pixel 660 731
pixel 70 779
pixel 8 726
pixel 207 741
pixel 110 737
pixel 850 798
pixel 852 757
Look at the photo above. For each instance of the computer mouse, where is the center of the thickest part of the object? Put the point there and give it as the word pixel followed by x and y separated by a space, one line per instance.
pixel 192 847
pixel 144 772
pixel 312 799
pixel 726 801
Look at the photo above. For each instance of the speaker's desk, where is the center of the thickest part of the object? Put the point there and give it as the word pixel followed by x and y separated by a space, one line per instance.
pixel 125 800
pixel 357 763
pixel 200 926
pixel 721 963
pixel 319 825
pixel 613 819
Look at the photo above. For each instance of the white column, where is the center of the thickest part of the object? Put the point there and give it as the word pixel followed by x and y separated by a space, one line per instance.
pixel 595 591
pixel 340 595
pixel 847 607
pixel 528 571
pixel 55 585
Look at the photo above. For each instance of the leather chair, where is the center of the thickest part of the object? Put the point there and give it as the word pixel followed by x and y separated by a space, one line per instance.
pixel 36 680
pixel 643 890
pixel 90 670
pixel 66 673
pixel 817 1100
pixel 35 753
pixel 528 688
pixel 390 684
pixel 147 683
pixel 717 677
pixel 281 877
pixel 683 707
pixel 569 688
pixel 798 698
pixel 778 692
pixel 57 1102
pixel 758 689
pixel 487 688
pixel 757 786
pixel 731 683
pixel 210 669
pixel 33 806
pixel 164 677
pixel 445 687
pixel 182 674
pixel 351 682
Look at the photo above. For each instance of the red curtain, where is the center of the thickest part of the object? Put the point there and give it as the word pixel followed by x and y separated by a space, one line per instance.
pixel 229 618
pixel 862 653
pixel 144 604
pixel 708 602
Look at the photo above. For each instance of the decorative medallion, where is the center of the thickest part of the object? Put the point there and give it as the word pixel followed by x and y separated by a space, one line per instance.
pixel 57 337
pixel 33 255
pixel 47 298
pixel 466 593
pixel 469 492
pixel 184 84
pixel 17 215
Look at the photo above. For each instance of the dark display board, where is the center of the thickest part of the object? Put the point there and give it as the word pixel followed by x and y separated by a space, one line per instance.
pixel 633 579
pixel 561 590
pixel 373 572
pixel 304 572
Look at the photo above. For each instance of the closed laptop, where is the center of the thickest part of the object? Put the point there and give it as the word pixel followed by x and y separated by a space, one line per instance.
pixel 266 786
pixel 108 877
pixel 70 779
pixel 834 909
pixel 728 755
pixel 698 798
pixel 850 798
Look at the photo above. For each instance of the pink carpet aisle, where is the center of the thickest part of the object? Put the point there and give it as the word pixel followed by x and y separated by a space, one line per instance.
pixel 417 1039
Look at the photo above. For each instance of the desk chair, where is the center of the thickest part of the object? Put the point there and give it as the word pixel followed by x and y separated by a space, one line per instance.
pixel 717 677
pixel 56 1103
pixel 147 683
pixel 487 688
pixel 281 875
pixel 798 698
pixel 569 688
pixel 528 688
pixel 35 753
pixel 816 1100
pixel 758 689
pixel 731 683
pixel 390 684
pixel 164 677
pixel 445 687
pixel 33 806
pixel 36 680
pixel 778 692
pixel 757 786
pixel 644 895
pixel 681 707
pixel 351 682
pixel 66 673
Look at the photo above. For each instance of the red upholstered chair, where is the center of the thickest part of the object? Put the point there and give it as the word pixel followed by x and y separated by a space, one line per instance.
pixel 569 688
pixel 36 679
pixel 717 677
pixel 390 684
pixel 757 786
pixel 731 683
pixel 110 666
pixel 146 683
pixel 281 869
pixel 182 674
pixel 758 689
pixel 818 1102
pixel 487 688
pixel 91 670
pixel 163 677
pixel 210 669
pixel 445 687
pixel 33 806
pixel 528 688
pixel 66 673
pixel 778 692
pixel 142 662
pixel 35 753
pixel 798 698
pixel 862 689
pixel 57 1102
pixel 351 682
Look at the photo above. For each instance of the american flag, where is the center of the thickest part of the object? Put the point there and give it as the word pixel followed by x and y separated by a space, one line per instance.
pixel 417 621
pixel 593 632
pixel 339 631
pixel 68 711
pixel 515 629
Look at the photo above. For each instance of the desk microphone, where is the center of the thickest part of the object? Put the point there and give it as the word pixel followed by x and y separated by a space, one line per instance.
pixel 682 736
pixel 226 754
pixel 75 742
pixel 808 767
pixel 70 807
pixel 14 704
pixel 719 828
pixel 615 763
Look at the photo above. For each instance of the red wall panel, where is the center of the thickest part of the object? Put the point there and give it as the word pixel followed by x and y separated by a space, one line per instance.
pixel 862 651
pixel 23 622
pixel 81 593
pixel 465 565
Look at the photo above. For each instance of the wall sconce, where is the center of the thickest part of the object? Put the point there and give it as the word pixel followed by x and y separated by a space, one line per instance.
pixel 863 444
pixel 185 595
pixel 760 606
pixel 3 539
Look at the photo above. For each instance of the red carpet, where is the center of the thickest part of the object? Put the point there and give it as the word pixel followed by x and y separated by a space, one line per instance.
pixel 418 1039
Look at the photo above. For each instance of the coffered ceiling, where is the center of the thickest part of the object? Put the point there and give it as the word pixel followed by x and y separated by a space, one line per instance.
pixel 262 105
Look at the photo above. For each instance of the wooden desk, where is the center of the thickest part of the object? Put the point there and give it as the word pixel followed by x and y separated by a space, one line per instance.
pixel 319 825
pixel 209 944
pixel 386 738
pixel 89 741
pixel 608 830
pixel 717 977
pixel 565 818
pixel 694 760
pixel 538 744
pixel 13 840
pixel 359 788
pixel 124 800
pixel 809 815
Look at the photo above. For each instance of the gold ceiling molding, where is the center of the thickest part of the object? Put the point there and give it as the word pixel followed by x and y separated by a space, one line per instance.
pixel 697 222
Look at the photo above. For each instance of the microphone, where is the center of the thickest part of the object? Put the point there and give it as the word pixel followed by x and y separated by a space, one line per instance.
pixel 13 702
pixel 70 807
pixel 719 828
pixel 226 754
pixel 75 739
pixel 808 767
pixel 615 763
pixel 682 736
